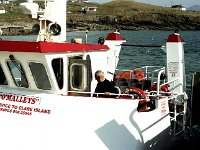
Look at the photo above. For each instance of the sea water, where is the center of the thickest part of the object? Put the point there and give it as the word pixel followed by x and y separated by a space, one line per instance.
pixel 133 57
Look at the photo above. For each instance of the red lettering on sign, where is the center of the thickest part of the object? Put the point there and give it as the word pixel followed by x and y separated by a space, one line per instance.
pixel 28 101
pixel 19 98
pixel 163 108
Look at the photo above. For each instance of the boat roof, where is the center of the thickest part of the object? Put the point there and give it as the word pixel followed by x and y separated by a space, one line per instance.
pixel 49 47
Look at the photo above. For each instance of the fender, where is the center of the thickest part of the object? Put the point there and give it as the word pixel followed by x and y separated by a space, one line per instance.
pixel 163 88
pixel 146 106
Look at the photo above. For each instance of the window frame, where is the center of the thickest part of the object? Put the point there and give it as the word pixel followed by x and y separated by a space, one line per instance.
pixel 4 76
pixel 83 83
pixel 38 79
pixel 21 72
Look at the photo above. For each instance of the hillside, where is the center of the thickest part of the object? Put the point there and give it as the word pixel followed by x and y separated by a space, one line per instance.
pixel 133 16
pixel 125 15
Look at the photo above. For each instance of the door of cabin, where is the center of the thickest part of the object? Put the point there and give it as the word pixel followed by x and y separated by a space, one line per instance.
pixel 80 76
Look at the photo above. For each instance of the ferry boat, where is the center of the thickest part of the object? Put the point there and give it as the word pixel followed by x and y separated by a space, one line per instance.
pixel 47 91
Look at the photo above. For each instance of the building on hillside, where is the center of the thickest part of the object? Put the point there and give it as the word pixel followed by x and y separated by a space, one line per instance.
pixel 5 1
pixel 79 1
pixel 180 7
pixel 88 9
pixel 2 10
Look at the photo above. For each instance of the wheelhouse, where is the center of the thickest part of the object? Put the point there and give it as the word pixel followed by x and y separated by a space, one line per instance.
pixel 52 67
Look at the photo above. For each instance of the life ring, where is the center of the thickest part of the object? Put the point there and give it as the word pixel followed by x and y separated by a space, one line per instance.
pixel 137 93
pixel 144 105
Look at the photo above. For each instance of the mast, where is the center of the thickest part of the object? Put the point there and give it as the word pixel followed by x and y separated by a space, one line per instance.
pixel 175 62
pixel 52 19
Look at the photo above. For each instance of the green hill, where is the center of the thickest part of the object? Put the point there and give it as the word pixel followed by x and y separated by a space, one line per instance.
pixel 125 15
pixel 132 15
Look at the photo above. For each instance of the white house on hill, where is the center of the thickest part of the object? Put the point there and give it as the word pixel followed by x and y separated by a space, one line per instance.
pixel 2 10
pixel 5 1
pixel 80 1
pixel 89 9
pixel 180 7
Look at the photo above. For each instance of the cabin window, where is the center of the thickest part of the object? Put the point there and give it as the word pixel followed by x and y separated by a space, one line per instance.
pixel 78 77
pixel 3 80
pixel 40 76
pixel 17 73
pixel 57 65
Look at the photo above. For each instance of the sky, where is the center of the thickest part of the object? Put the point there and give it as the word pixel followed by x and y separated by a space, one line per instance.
pixel 168 3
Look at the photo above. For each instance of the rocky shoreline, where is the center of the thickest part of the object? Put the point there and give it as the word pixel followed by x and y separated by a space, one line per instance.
pixel 26 29
pixel 11 30
pixel 109 16
pixel 19 28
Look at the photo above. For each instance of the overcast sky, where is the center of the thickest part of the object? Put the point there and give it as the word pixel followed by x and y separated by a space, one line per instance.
pixel 185 3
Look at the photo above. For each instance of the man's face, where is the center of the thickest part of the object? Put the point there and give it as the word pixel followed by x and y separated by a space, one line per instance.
pixel 98 79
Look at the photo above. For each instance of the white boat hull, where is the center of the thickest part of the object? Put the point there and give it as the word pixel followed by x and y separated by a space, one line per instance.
pixel 69 122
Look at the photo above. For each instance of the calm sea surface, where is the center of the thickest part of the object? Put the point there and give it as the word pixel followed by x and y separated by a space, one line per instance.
pixel 132 57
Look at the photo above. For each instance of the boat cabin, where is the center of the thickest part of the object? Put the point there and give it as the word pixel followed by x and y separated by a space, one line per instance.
pixel 62 68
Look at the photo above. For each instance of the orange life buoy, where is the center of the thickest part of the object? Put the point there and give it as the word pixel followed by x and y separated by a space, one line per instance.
pixel 137 93
pixel 144 105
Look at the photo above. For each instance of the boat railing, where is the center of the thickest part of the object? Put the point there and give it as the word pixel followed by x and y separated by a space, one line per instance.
pixel 178 114
pixel 114 95
pixel 151 71
pixel 158 81
pixel 172 84
pixel 177 103
pixel 156 70
pixel 178 111
pixel 91 94
pixel 177 106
